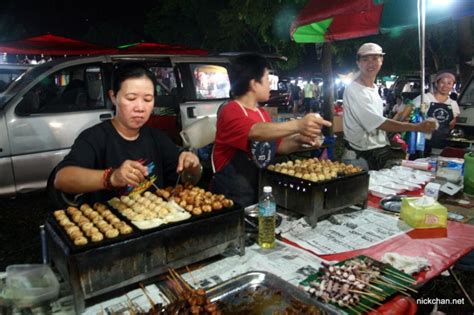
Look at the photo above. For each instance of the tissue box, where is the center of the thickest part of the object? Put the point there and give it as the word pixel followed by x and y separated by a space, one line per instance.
pixel 423 213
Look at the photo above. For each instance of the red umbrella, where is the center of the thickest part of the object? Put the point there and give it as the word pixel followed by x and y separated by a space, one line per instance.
pixel 322 20
pixel 157 48
pixel 53 45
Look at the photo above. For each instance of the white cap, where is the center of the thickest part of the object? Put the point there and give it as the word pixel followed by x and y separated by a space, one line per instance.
pixel 370 49
pixel 267 189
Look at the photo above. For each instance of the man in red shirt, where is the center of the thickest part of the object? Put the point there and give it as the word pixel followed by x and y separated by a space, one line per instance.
pixel 246 139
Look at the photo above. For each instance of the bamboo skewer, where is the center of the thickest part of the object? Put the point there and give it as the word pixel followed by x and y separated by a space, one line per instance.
pixel 399 284
pixel 399 276
pixel 150 300
pixel 192 277
pixel 354 310
pixel 378 297
pixel 368 307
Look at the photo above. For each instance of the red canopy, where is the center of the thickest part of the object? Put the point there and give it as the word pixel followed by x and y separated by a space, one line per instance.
pixel 53 45
pixel 157 48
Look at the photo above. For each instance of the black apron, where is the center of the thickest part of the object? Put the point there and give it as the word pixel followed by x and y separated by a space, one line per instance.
pixel 238 179
pixel 443 113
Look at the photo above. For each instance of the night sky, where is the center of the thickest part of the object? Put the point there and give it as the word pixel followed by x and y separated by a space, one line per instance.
pixel 73 18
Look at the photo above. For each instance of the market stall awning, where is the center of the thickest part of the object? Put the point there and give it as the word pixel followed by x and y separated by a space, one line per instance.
pixel 320 20
pixel 158 48
pixel 53 45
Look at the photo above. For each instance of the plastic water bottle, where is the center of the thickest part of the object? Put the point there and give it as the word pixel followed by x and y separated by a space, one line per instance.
pixel 266 219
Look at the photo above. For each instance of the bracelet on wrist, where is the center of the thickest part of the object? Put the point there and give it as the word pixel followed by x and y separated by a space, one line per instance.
pixel 107 178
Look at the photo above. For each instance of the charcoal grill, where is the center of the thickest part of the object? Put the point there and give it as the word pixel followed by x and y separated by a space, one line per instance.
pixel 317 200
pixel 103 269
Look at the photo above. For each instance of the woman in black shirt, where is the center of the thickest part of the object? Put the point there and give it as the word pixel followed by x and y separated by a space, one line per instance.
pixel 123 154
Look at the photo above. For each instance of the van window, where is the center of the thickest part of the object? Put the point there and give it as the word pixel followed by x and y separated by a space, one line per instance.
pixel 9 75
pixel 166 80
pixel 210 81
pixel 72 89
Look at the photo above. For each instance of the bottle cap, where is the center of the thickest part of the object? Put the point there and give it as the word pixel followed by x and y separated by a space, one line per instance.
pixel 267 189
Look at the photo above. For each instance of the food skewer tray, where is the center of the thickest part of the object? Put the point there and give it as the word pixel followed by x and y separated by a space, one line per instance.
pixel 387 271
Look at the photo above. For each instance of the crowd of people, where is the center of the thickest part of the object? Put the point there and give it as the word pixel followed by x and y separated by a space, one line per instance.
pixel 124 153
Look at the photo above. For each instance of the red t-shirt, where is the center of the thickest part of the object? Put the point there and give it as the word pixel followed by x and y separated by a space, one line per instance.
pixel 233 127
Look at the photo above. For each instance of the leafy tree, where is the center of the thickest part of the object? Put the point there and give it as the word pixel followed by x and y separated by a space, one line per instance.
pixel 260 26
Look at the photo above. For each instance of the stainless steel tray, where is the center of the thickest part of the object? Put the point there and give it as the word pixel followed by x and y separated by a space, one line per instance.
pixel 264 293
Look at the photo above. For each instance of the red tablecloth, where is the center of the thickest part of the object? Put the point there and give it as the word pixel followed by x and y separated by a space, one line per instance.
pixel 442 248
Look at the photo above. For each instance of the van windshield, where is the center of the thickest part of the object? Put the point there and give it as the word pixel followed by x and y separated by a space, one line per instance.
pixel 8 75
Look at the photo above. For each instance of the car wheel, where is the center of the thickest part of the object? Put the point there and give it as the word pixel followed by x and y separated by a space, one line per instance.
pixel 58 199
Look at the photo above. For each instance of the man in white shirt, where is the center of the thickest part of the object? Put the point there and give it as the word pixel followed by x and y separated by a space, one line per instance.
pixel 364 125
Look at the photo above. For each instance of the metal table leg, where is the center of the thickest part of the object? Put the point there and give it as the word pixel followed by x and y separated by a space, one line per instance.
pixel 458 282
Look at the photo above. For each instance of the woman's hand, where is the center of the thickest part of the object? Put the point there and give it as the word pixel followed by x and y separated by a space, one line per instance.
pixel 129 173
pixel 187 161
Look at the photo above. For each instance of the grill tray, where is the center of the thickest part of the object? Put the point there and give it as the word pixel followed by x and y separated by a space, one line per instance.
pixel 263 293
pixel 320 199
pixel 106 268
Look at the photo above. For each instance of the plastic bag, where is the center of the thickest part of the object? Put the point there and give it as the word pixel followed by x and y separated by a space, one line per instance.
pixel 423 213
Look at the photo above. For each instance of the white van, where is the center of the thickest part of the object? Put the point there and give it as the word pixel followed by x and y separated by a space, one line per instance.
pixel 44 110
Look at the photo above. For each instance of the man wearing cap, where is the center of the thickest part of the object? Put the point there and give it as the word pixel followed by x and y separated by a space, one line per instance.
pixel 442 108
pixel 364 125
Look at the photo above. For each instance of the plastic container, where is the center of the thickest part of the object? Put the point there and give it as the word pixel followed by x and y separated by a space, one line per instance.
pixel 31 285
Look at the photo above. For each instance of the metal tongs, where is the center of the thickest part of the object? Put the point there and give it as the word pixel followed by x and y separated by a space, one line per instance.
pixel 176 185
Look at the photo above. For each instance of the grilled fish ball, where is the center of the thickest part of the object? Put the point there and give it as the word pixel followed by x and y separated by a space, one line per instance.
pixel 165 194
pixel 77 216
pixel 271 167
pixel 190 200
pixel 147 194
pixel 189 208
pixel 92 231
pixel 99 206
pixel 59 213
pixel 163 212
pixel 97 237
pixel 183 204
pixel 76 234
pixel 227 203
pixel 71 229
pixel 207 208
pixel 87 211
pixel 111 233
pixel 126 229
pixel 197 211
pixel 216 205
pixel 87 226
pixel 68 225
pixel 84 206
pixel 72 210
pixel 101 224
pixel 64 221
pixel 93 215
pixel 83 220
pixel 80 241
